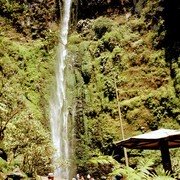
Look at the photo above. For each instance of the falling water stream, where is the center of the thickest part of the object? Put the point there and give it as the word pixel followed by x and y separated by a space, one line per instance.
pixel 58 103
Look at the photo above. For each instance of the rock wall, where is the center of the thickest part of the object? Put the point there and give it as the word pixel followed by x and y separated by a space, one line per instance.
pixel 30 17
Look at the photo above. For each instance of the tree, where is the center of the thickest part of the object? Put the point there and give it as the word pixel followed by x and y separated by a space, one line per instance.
pixel 6 117
pixel 29 144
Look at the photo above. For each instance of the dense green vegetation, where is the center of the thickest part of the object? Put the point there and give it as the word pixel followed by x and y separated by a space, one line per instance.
pixel 124 49
pixel 29 17
pixel 26 70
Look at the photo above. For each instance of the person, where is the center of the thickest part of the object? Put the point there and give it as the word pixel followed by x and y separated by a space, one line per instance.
pixel 51 176
pixel 77 177
pixel 81 178
pixel 88 176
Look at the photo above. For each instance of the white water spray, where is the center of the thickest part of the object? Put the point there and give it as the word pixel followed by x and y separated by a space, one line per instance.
pixel 58 105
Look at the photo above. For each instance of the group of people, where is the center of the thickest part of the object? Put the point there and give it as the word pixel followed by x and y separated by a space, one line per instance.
pixel 78 177
pixel 81 177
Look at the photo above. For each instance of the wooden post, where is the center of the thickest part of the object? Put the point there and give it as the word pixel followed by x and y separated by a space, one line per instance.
pixel 165 155
pixel 121 124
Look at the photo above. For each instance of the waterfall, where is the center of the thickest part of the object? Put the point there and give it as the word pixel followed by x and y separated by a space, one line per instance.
pixel 58 103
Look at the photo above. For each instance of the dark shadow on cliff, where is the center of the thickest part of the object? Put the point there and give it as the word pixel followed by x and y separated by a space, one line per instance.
pixel 172 39
pixel 94 8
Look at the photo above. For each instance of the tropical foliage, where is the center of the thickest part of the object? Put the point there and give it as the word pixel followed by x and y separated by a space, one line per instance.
pixel 126 51
pixel 120 52
pixel 26 69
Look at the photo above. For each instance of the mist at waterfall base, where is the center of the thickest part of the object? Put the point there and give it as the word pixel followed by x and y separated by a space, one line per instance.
pixel 58 104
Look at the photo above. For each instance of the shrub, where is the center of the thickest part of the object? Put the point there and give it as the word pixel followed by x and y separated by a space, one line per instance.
pixel 102 25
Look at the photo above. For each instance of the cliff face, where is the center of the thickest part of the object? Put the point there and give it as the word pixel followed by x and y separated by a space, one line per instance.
pixel 134 47
pixel 30 18
pixel 131 47
pixel 93 9
pixel 24 127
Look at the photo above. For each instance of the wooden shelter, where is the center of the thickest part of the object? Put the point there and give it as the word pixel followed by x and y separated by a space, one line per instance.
pixel 161 139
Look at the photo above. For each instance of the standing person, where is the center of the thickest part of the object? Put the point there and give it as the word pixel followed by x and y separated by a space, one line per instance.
pixel 88 176
pixel 77 177
pixel 51 176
